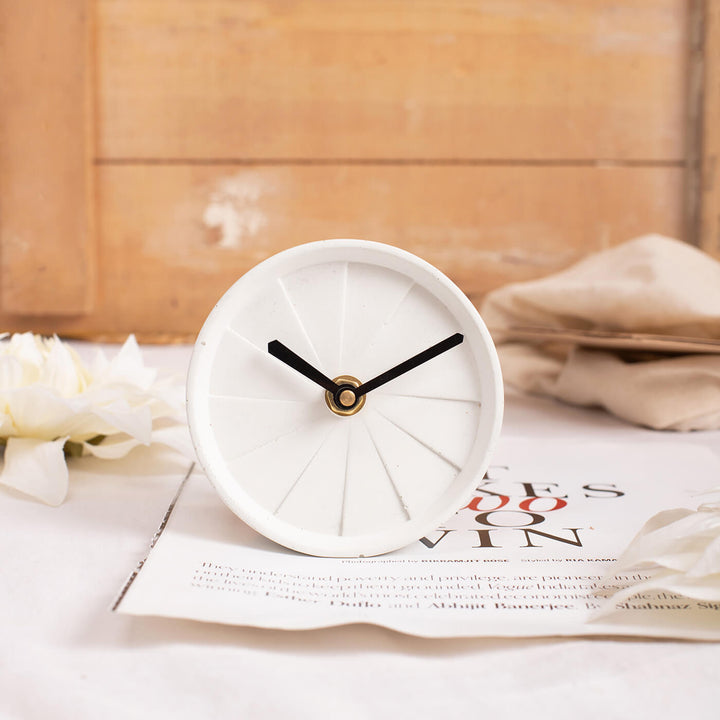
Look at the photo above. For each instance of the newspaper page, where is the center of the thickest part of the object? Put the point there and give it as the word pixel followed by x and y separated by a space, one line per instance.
pixel 527 556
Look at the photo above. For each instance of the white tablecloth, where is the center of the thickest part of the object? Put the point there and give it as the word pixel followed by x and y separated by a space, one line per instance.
pixel 63 654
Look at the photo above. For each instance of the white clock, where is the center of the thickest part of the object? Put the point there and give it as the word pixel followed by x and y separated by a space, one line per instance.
pixel 344 397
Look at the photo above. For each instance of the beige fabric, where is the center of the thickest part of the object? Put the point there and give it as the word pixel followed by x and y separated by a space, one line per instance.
pixel 651 284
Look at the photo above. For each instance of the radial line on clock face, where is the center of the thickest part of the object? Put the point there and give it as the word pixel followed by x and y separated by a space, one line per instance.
pixel 280 401
pixel 251 345
pixel 387 472
pixel 302 472
pixel 343 316
pixel 420 442
pixel 297 428
pixel 385 393
pixel 389 317
pixel 341 529
pixel 301 325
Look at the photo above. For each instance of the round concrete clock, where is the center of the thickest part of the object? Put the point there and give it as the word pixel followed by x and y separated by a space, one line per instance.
pixel 344 397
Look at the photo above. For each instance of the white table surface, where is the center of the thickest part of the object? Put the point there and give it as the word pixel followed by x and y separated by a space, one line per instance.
pixel 63 654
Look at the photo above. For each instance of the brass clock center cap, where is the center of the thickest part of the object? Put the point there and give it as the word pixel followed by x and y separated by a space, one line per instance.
pixel 345 402
pixel 347 398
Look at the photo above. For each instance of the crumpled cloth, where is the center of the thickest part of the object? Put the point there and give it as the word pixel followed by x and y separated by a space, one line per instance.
pixel 652 284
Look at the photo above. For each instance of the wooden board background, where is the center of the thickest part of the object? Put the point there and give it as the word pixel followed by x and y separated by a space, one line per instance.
pixel 500 140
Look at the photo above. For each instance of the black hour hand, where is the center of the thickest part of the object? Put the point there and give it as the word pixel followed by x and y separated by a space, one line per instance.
pixel 284 353
pixel 413 362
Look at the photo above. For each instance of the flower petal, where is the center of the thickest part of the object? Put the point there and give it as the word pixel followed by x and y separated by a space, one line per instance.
pixel 11 372
pixel 112 449
pixel 136 422
pixel 38 412
pixel 128 367
pixel 26 347
pixel 62 370
pixel 176 437
pixel 6 424
pixel 36 468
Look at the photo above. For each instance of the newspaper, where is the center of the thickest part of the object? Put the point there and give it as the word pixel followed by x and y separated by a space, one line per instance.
pixel 527 556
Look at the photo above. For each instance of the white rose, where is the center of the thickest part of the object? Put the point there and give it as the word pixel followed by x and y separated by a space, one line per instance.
pixel 679 549
pixel 53 405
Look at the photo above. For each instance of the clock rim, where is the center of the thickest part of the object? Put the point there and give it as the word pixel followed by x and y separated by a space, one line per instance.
pixel 264 521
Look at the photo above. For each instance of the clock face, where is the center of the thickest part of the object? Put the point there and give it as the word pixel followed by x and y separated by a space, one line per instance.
pixel 361 473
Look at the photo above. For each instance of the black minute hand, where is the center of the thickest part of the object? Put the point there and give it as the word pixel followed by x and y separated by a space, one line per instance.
pixel 413 362
pixel 281 352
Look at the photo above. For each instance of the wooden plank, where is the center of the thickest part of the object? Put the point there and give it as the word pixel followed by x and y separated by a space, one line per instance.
pixel 709 190
pixel 694 119
pixel 176 237
pixel 216 79
pixel 45 158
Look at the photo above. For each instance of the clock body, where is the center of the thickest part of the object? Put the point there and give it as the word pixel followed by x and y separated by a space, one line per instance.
pixel 332 484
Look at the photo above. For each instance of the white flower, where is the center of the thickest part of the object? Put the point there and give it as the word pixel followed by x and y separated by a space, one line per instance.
pixel 680 549
pixel 53 405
